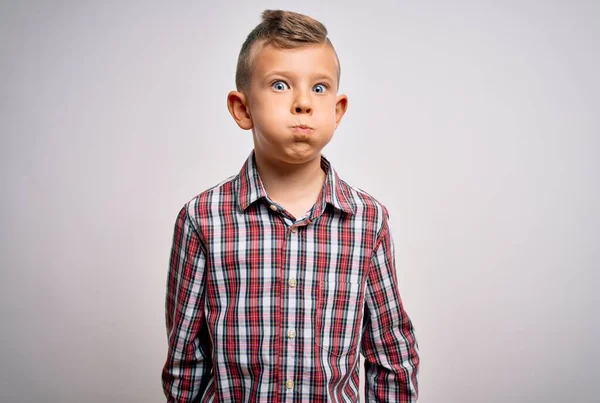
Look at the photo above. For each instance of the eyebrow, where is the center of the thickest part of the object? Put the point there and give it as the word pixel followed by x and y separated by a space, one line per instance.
pixel 316 76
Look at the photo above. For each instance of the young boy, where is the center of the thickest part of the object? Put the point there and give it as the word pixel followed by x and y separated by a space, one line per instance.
pixel 279 276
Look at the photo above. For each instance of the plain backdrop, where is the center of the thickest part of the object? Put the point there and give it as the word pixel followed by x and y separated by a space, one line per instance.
pixel 475 122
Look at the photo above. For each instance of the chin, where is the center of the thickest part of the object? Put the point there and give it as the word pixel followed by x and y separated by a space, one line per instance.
pixel 302 154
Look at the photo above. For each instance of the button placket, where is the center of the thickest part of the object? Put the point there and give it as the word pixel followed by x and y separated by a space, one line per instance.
pixel 292 283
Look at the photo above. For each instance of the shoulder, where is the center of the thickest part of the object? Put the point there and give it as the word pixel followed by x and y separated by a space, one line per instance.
pixel 366 206
pixel 201 205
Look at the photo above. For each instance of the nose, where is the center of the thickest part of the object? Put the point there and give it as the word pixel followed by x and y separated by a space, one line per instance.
pixel 302 103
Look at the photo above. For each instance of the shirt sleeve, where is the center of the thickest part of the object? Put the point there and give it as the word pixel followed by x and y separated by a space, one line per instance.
pixel 389 344
pixel 188 368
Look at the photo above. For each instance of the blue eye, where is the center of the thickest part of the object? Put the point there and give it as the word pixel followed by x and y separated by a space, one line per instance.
pixel 320 88
pixel 279 85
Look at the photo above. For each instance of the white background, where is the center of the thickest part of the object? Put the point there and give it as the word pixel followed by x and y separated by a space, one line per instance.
pixel 475 123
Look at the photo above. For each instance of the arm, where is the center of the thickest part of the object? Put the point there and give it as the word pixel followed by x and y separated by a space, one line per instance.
pixel 389 344
pixel 187 370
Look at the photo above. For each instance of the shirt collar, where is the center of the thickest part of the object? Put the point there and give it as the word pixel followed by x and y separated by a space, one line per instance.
pixel 335 192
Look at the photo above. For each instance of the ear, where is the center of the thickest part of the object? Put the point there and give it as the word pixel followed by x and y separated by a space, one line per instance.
pixel 237 103
pixel 341 105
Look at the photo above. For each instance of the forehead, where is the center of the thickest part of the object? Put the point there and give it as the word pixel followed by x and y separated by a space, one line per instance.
pixel 306 60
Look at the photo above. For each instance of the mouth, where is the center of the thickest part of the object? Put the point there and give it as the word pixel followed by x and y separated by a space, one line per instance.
pixel 304 129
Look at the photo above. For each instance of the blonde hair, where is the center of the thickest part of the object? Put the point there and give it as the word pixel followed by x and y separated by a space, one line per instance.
pixel 282 29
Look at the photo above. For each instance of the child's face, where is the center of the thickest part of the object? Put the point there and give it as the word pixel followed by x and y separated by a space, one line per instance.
pixel 291 88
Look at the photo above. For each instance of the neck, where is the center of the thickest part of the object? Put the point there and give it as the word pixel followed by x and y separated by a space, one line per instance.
pixel 286 182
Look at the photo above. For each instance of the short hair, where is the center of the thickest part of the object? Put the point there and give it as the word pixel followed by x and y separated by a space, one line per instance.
pixel 284 30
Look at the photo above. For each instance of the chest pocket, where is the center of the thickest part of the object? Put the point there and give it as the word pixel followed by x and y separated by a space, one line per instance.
pixel 338 316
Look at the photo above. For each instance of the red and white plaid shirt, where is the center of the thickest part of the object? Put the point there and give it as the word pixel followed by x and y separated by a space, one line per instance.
pixel 261 307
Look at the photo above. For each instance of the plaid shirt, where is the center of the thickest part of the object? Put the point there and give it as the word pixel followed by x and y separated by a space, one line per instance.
pixel 262 307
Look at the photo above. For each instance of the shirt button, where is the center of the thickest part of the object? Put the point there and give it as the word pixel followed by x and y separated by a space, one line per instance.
pixel 294 229
pixel 291 333
pixel 289 384
pixel 273 207
pixel 292 282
